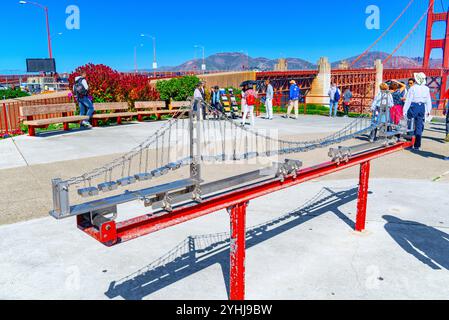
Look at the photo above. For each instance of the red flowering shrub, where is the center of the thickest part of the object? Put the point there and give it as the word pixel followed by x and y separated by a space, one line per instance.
pixel 135 87
pixel 4 135
pixel 108 85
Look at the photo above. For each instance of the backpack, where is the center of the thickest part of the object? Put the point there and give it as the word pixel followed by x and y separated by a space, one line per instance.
pixel 250 100
pixel 337 96
pixel 80 90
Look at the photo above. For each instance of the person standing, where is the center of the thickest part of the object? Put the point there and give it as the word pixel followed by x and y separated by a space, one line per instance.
pixel 347 96
pixel 334 95
pixel 397 89
pixel 269 100
pixel 418 106
pixel 243 103
pixel 81 92
pixel 294 100
pixel 250 99
pixel 199 100
pixel 216 102
pixel 446 113
pixel 381 109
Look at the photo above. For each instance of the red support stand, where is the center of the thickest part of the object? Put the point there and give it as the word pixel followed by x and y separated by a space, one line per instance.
pixel 363 196
pixel 238 247
pixel 31 131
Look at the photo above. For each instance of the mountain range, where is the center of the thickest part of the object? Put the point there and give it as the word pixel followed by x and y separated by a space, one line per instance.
pixel 236 61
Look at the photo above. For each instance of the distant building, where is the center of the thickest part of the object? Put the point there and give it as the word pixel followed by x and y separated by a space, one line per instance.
pixel 344 65
pixel 282 65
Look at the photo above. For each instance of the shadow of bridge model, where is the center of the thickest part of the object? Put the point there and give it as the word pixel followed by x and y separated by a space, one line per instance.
pixel 198 253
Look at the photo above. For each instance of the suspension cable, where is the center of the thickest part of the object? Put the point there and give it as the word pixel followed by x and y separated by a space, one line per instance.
pixel 408 35
pixel 383 34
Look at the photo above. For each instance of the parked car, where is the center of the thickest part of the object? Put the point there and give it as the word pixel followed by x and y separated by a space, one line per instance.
pixel 2 87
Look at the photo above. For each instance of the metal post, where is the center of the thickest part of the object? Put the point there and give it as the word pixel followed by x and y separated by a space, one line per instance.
pixel 363 196
pixel 195 140
pixel 50 51
pixel 238 247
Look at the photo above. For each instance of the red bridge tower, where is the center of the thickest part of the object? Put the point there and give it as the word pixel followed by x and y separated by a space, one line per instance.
pixel 431 44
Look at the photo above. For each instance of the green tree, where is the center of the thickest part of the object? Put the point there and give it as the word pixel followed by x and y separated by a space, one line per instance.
pixel 177 89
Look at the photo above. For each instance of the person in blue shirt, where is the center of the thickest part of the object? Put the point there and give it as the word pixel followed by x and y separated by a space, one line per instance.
pixel 294 100
pixel 334 95
pixel 216 102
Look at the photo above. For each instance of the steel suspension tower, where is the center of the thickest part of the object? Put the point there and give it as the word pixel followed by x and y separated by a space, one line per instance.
pixel 430 43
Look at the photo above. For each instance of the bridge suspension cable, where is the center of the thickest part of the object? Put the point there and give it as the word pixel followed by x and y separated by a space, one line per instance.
pixel 383 34
pixel 408 35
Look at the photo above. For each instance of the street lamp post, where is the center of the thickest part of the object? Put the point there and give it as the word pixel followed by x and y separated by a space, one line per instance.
pixel 203 66
pixel 154 51
pixel 247 59
pixel 50 52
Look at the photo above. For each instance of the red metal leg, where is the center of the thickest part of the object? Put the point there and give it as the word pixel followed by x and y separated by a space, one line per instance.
pixel 119 120
pixel 140 118
pixel 95 122
pixel 363 196
pixel 66 126
pixel 31 131
pixel 238 247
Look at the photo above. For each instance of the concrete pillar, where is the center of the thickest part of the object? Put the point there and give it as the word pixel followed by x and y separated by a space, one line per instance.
pixel 379 75
pixel 321 85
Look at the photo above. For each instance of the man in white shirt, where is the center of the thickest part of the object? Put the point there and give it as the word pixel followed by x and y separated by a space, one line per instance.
pixel 198 97
pixel 418 106
pixel 269 101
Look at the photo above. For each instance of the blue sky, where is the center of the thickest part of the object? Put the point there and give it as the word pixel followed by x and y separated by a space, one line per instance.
pixel 109 30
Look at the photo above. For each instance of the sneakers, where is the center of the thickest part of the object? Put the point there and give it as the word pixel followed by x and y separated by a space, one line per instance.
pixel 86 124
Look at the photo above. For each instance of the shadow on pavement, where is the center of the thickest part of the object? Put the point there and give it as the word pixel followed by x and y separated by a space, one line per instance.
pixel 427 244
pixel 200 252
pixel 428 154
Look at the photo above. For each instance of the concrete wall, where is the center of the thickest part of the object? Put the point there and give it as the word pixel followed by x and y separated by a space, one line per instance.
pixel 229 79
pixel 224 80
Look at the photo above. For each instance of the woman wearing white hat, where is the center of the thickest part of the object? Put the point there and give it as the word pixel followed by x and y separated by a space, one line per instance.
pixel 418 106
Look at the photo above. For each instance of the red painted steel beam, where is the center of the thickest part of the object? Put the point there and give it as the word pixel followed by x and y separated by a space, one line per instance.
pixel 362 201
pixel 238 251
pixel 144 225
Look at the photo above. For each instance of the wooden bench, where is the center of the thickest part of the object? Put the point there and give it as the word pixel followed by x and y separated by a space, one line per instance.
pixel 149 108
pixel 28 113
pixel 158 108
pixel 176 107
pixel 111 110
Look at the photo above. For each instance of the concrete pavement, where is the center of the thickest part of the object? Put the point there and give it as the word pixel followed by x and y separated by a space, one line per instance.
pixel 81 144
pixel 301 241
pixel 310 253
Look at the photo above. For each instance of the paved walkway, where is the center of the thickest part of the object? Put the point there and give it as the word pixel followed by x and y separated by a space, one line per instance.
pixel 310 255
pixel 81 144
pixel 313 254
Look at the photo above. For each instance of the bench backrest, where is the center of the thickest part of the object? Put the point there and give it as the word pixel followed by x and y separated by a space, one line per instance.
pixel 179 104
pixel 111 106
pixel 149 105
pixel 29 111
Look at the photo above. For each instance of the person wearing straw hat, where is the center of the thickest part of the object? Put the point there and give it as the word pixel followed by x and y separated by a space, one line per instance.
pixel 418 107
